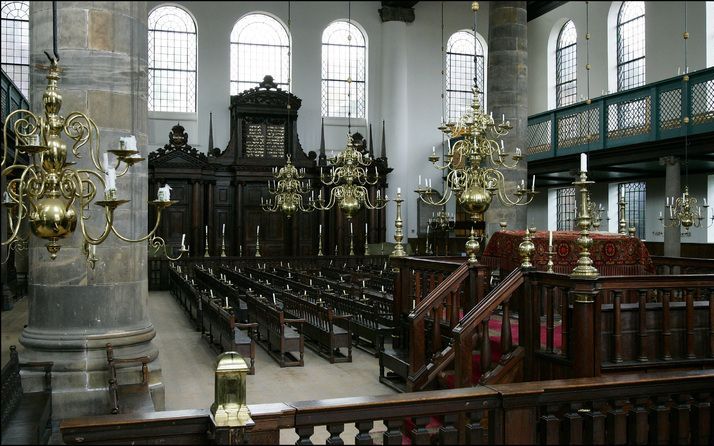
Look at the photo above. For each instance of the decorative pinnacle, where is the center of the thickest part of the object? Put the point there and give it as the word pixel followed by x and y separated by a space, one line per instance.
pixel 474 6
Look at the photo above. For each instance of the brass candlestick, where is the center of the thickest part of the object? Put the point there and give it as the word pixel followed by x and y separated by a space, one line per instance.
pixel 352 243
pixel 632 230
pixel 205 250
pixel 549 265
pixel 398 234
pixel 223 245
pixel 503 225
pixel 319 245
pixel 526 249
pixel 584 268
pixel 472 247
pixel 622 223
pixel 366 243
pixel 257 245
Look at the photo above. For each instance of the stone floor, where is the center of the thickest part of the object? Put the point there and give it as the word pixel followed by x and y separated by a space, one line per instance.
pixel 187 363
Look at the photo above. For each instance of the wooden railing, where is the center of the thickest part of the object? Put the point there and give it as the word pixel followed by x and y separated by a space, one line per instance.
pixel 671 407
pixel 682 265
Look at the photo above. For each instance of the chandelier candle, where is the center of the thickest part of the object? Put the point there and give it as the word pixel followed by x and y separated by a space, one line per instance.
pixel 583 162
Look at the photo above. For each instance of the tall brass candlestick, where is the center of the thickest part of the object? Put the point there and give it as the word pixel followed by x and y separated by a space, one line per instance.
pixel 584 268
pixel 257 245
pixel 549 265
pixel 205 253
pixel 526 249
pixel 398 234
pixel 319 246
pixel 223 245
pixel 622 223
pixel 352 243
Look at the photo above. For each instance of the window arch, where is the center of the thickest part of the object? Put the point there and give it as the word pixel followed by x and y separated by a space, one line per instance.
pixel 566 66
pixel 630 45
pixel 172 60
pixel 260 46
pixel 15 60
pixel 460 50
pixel 344 70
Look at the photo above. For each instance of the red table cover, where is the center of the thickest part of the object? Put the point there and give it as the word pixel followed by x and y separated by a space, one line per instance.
pixel 612 254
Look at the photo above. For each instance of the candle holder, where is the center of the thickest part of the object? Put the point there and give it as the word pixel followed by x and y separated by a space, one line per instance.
pixel 621 222
pixel 398 234
pixel 240 250
pixel 503 225
pixel 632 231
pixel 472 247
pixel 319 246
pixel 585 268
pixel 352 244
pixel 205 253
pixel 549 265
pixel 526 250
pixel 223 245
pixel 257 245
pixel 366 243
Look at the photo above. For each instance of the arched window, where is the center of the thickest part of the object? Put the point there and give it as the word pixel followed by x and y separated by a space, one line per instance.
pixel 260 46
pixel 566 76
pixel 172 60
pixel 460 73
pixel 344 69
pixel 15 60
pixel 631 45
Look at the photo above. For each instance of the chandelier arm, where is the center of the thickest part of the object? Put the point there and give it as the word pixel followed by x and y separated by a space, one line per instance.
pixel 157 242
pixel 90 195
pixel 141 239
pixel 17 127
pixel 81 129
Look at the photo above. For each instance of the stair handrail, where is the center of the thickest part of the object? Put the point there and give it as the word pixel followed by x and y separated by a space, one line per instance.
pixel 418 364
pixel 465 330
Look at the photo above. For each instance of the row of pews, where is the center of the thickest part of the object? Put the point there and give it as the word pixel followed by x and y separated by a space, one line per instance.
pixel 282 308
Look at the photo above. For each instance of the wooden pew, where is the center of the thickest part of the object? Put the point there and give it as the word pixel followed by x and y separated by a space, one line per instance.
pixel 129 398
pixel 26 416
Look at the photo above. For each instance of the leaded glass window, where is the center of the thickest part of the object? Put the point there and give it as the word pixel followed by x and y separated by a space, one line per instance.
pixel 460 73
pixel 344 69
pixel 566 64
pixel 260 46
pixel 565 208
pixel 172 60
pixel 635 196
pixel 631 45
pixel 15 58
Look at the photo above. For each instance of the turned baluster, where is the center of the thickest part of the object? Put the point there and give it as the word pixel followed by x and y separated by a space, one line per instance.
pixel 666 329
pixel 393 434
pixel 474 428
pixel 335 430
pixel 304 433
pixel 485 347
pixel 642 326
pixel 617 422
pixel 549 323
pixel 701 419
pixel 420 434
pixel 550 427
pixel 637 422
pixel 448 434
pixel 690 323
pixel 594 426
pixel 680 420
pixel 506 340
pixel 363 437
pixel 659 421
pixel 572 426
pixel 617 326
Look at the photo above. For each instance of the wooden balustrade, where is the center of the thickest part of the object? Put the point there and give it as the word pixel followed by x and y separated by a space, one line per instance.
pixel 682 265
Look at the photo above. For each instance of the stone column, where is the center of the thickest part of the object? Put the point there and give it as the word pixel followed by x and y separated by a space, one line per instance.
pixel 74 311
pixel 508 94
pixel 395 101
pixel 672 188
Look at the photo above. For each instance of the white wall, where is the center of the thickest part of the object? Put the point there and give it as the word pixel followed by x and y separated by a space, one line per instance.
pixel 664 23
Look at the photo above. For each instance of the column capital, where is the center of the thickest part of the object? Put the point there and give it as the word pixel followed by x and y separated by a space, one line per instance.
pixel 397 12
pixel 668 160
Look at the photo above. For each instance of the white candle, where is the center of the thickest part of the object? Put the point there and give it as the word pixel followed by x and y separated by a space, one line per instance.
pixel 583 162
pixel 668 201
pixel 94 248
pixel 419 180
pixel 705 202
pixel 106 160
pixel 226 301
pixel 365 229
pixel 550 239
pixel 320 229
pixel 378 194
pixel 503 118
pixel 257 231
pixel 211 293
pixel 183 240
pixel 433 150
pixel 399 190
pixel 533 184
pixel 518 151
pixel 660 215
pixel 224 230
pixel 350 228
pixel 206 231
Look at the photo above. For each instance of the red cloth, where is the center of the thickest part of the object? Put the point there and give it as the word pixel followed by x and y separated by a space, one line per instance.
pixel 612 254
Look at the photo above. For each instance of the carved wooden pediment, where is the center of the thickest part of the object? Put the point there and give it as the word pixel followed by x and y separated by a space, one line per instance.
pixel 266 95
pixel 177 153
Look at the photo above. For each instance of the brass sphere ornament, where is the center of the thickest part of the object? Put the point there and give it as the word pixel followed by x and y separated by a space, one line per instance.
pixel 472 247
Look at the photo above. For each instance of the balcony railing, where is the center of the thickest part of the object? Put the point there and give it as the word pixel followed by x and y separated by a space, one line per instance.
pixel 650 113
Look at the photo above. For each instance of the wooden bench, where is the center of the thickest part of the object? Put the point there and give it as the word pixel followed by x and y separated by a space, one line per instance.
pixel 26 416
pixel 129 398
pixel 276 332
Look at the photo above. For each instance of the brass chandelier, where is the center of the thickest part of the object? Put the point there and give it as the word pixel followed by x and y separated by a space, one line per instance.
pixel 349 173
pixel 288 189
pixel 474 161
pixel 52 195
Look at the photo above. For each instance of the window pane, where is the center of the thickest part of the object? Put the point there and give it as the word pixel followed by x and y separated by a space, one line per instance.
pixel 460 73
pixel 344 71
pixel 566 207
pixel 172 60
pixel 260 46
pixel 566 65
pixel 15 46
pixel 631 45
pixel 635 196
